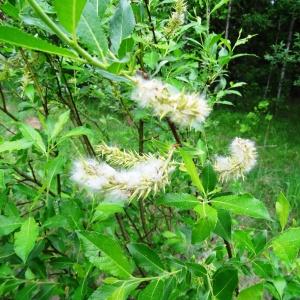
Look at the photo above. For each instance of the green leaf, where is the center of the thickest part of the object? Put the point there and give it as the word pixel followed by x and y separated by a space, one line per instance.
pixel 15 145
pixel 181 201
pixel 56 222
pixel 126 46
pixel 90 31
pixel 153 291
pixel 206 224
pixel 192 170
pixel 59 125
pixel 118 291
pixel 33 135
pixel 121 25
pixel 282 209
pixel 19 38
pixel 209 178
pixel 112 259
pixel 25 238
pixel 225 280
pixel 81 130
pixel 243 240
pixel 245 205
pixel 73 213
pixel 219 5
pixel 10 10
pixel 223 227
pixel 69 12
pixel 146 257
pixel 53 167
pixel 254 292
pixel 9 224
pixel 286 246
pixel 197 269
pixel 151 59
pixel 100 6
pixel 106 209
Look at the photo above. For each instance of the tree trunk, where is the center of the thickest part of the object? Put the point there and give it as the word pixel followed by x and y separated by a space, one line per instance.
pixel 271 66
pixel 283 68
pixel 228 19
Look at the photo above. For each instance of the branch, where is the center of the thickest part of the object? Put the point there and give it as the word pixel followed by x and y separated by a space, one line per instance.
pixel 4 108
pixel 174 132
pixel 31 179
pixel 150 20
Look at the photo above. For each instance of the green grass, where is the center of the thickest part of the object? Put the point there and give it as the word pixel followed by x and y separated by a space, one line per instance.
pixel 278 144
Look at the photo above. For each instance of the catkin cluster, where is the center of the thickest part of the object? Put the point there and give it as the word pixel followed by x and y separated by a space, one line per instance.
pixel 176 19
pixel 184 109
pixel 146 174
pixel 241 160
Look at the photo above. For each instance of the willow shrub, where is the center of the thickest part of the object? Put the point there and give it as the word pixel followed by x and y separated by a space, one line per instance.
pixel 108 187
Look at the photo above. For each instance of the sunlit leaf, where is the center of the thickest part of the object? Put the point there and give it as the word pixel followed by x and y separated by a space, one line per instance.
pixel 181 201
pixel 245 205
pixel 254 292
pixel 69 12
pixel 282 209
pixel 112 259
pixel 286 246
pixel 19 38
pixel 25 238
pixel 146 257
pixel 60 123
pixel 15 145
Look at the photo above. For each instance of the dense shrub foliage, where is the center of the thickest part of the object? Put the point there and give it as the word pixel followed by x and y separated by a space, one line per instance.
pixel 109 186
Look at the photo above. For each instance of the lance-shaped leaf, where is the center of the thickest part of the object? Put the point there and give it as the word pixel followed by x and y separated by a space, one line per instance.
pixel 223 227
pixel 33 135
pixel 105 253
pixel 192 170
pixel 117 291
pixel 9 224
pixel 286 246
pixel 53 167
pixel 69 12
pixel 254 292
pixel 282 209
pixel 146 257
pixel 245 205
pixel 153 291
pixel 181 201
pixel 59 125
pixel 15 145
pixel 15 36
pixel 25 238
pixel 206 223
pixel 90 31
pixel 225 281
pixel 121 25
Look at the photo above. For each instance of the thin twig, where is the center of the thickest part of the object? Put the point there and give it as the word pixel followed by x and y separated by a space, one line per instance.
pixel 133 225
pixel 122 227
pixel 174 132
pixel 150 21
pixel 31 179
pixel 4 108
